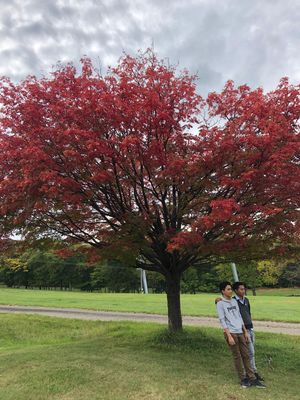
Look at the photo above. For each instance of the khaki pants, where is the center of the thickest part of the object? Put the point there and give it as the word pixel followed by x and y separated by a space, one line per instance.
pixel 240 352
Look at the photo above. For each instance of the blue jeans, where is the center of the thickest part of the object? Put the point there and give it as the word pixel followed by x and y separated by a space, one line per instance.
pixel 251 349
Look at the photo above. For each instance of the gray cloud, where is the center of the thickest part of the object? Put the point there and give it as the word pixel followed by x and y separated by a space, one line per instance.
pixel 249 41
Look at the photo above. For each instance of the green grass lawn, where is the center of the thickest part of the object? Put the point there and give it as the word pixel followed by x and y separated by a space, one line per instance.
pixel 279 292
pixel 264 307
pixel 60 359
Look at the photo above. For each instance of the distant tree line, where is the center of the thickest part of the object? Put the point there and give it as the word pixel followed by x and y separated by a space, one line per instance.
pixel 46 269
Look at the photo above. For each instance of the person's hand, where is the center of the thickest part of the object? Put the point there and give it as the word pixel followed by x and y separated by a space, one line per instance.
pixel 247 337
pixel 231 340
pixel 217 300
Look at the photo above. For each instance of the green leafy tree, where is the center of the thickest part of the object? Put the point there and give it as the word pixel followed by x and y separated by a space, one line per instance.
pixel 270 271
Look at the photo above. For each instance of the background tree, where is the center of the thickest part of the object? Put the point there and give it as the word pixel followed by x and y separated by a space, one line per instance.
pixel 113 161
pixel 270 271
pixel 247 271
pixel 14 272
pixel 291 275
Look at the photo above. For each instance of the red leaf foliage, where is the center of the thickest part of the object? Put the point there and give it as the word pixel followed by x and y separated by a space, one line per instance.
pixel 137 157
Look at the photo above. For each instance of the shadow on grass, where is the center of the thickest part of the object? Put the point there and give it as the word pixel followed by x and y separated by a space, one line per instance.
pixel 188 340
pixel 273 352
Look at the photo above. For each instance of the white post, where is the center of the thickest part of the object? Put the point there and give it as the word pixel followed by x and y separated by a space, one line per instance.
pixel 234 272
pixel 145 281
pixel 141 279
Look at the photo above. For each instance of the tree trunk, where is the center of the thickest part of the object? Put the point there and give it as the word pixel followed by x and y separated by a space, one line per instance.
pixel 254 291
pixel 173 300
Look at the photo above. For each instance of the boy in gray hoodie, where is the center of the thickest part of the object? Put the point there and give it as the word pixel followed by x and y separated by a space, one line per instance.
pixel 244 306
pixel 236 336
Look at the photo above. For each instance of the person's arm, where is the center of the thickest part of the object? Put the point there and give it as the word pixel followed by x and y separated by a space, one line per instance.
pixel 246 333
pixel 243 326
pixel 229 337
pixel 249 308
pixel 222 319
pixel 217 299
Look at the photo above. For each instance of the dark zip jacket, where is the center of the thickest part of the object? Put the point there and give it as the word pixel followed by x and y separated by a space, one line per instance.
pixel 245 312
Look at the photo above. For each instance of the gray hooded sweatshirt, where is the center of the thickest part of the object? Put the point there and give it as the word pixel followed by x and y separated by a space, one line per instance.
pixel 229 315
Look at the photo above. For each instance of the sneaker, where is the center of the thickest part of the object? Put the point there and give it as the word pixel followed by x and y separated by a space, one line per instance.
pixel 258 377
pixel 245 383
pixel 258 384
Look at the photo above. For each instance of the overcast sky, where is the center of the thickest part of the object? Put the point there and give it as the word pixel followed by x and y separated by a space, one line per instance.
pixel 249 41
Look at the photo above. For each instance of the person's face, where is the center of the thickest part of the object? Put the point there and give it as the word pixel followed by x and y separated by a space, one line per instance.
pixel 227 291
pixel 241 291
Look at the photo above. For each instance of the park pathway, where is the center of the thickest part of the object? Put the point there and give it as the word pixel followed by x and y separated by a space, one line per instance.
pixel 263 326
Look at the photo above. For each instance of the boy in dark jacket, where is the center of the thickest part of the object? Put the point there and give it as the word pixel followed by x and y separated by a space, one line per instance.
pixel 245 310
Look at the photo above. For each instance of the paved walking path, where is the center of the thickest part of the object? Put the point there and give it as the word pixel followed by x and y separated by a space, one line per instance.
pixel 263 326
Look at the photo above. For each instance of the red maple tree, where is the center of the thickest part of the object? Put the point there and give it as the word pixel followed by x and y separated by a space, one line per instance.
pixel 136 162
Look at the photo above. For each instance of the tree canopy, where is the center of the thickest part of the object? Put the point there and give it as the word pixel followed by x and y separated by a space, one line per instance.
pixel 135 162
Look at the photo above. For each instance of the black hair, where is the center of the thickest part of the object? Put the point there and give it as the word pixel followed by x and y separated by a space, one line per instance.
pixel 223 285
pixel 236 285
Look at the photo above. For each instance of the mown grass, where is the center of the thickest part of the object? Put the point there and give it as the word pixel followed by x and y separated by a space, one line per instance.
pixel 290 292
pixel 264 307
pixel 60 359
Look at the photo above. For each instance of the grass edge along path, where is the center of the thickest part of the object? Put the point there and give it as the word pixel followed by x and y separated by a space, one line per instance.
pixel 260 326
pixel 268 308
